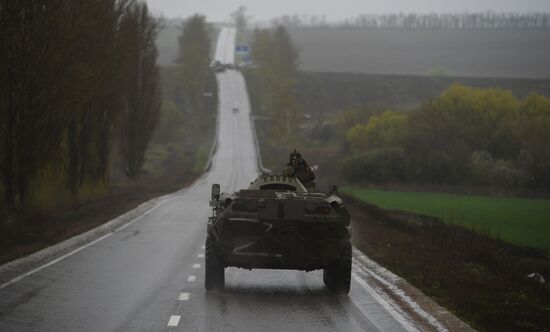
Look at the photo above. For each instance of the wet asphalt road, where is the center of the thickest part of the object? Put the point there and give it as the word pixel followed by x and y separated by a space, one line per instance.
pixel 149 276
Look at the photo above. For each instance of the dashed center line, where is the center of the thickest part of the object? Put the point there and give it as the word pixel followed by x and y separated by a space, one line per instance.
pixel 183 297
pixel 200 255
pixel 174 320
pixel 191 278
pixel 196 266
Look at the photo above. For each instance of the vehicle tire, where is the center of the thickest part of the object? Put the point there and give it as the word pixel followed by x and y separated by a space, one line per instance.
pixel 214 271
pixel 337 278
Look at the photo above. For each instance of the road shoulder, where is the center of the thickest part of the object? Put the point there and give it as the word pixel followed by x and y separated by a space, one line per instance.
pixel 15 270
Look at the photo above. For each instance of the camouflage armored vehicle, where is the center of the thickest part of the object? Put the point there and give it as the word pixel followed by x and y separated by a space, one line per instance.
pixel 277 224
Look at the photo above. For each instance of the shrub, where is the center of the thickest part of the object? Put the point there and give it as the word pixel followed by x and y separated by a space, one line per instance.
pixel 481 166
pixel 500 173
pixel 380 165
pixel 386 130
pixel 322 131
pixel 505 173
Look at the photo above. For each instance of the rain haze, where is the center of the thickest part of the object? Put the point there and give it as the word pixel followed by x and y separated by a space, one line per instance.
pixel 336 10
pixel 275 165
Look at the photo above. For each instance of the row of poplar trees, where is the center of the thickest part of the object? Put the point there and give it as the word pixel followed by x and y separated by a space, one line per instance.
pixel 79 90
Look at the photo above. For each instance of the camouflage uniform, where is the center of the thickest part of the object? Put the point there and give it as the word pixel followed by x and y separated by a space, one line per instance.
pixel 298 167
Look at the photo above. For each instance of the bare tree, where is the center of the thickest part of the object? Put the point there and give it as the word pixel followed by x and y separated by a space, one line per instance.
pixel 240 18
pixel 455 21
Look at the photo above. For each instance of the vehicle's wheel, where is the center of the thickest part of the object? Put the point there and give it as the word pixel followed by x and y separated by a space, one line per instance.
pixel 337 278
pixel 214 271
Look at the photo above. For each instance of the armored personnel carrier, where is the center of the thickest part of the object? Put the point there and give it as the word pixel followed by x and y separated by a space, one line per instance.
pixel 277 224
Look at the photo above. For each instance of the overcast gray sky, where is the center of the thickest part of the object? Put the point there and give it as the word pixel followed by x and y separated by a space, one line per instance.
pixel 219 10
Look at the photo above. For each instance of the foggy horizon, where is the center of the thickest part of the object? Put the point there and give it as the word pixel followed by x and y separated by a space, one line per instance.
pixel 217 10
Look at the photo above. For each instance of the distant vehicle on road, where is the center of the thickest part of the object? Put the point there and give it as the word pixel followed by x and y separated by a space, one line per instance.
pixel 217 66
pixel 229 66
pixel 277 224
pixel 235 109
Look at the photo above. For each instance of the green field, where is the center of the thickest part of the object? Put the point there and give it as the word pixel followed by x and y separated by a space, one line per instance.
pixel 519 221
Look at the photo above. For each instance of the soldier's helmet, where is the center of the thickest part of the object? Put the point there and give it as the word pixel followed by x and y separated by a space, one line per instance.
pixel 295 155
pixel 295 158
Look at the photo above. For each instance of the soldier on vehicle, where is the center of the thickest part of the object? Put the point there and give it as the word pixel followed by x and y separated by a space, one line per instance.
pixel 299 168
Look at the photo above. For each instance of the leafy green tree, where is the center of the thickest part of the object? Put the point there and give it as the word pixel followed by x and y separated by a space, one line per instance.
pixel 277 59
pixel 446 130
pixel 484 118
pixel 261 47
pixel 285 60
pixel 386 130
pixel 535 140
pixel 355 115
pixel 285 117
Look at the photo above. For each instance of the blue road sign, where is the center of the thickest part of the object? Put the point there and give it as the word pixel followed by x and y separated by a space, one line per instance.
pixel 242 49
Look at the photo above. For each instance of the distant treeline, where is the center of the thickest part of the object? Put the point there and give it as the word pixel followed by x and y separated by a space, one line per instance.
pixel 79 96
pixel 451 21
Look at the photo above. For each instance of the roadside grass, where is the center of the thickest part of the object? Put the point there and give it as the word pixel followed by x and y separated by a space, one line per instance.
pixel 519 221
pixel 158 156
pixel 201 158
pixel 92 190
pixel 49 190
pixel 481 280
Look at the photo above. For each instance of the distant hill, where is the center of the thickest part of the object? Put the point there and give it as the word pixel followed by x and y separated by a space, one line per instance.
pixel 330 92
pixel 504 53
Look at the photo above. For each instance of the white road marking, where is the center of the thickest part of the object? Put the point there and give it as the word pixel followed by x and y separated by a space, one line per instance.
pixel 183 297
pixel 140 216
pixel 191 278
pixel 174 320
pixel 14 280
pixel 200 255
pixel 410 302
pixel 196 266
pixel 203 247
pixel 389 308
pixel 31 272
